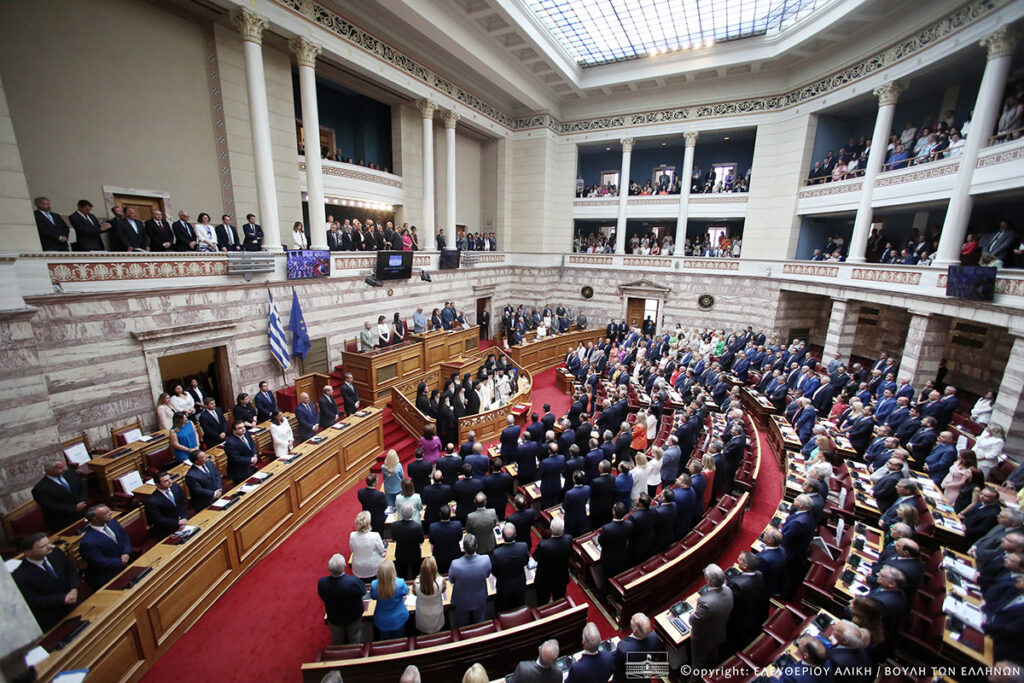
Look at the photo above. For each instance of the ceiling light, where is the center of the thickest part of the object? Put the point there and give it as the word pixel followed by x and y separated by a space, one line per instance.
pixel 726 137
pixel 663 144
pixel 607 149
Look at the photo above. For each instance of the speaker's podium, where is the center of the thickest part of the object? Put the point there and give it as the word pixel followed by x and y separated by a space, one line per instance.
pixel 312 384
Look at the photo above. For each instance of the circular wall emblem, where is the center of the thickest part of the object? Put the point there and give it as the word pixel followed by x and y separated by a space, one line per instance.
pixel 705 302
pixel 391 292
pixel 587 292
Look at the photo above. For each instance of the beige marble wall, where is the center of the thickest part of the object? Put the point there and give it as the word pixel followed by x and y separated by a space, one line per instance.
pixel 17 227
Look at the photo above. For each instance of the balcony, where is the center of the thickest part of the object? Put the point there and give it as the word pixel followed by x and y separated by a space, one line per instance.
pixel 1000 167
pixel 350 181
pixel 711 205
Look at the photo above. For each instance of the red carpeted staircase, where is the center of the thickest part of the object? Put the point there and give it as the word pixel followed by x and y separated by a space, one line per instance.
pixel 397 438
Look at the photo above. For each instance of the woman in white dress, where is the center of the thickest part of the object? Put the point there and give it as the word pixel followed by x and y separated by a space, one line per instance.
pixel 366 547
pixel 639 473
pixel 989 447
pixel 429 591
pixel 982 410
pixel 281 434
pixel 182 401
pixel 654 471
pixel 206 238
pixel 164 411
pixel 652 427
pixel 299 240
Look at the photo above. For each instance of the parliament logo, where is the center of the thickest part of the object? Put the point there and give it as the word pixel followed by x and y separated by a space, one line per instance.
pixel 705 302
pixel 644 665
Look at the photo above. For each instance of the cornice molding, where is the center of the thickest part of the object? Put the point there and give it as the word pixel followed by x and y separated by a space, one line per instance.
pixel 353 35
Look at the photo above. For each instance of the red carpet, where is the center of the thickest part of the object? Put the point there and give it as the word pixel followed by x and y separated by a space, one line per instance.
pixel 271 621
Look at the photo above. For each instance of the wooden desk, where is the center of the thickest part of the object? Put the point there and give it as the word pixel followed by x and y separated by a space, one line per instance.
pixel 130 629
pixel 972 644
pixel 375 372
pixel 120 461
pixel 758 405
pixel 441 346
pixel 549 352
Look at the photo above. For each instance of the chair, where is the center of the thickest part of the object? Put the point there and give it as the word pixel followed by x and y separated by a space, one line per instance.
pixel 442 638
pixel 22 521
pixel 554 608
pixel 159 461
pixel 784 624
pixel 390 647
pixel 475 630
pixel 923 631
pixel 763 650
pixel 117 434
pixel 137 530
pixel 335 652
pixel 999 473
pixel 516 617
pixel 674 552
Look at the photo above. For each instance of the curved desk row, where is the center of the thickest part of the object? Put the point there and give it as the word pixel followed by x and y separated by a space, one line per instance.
pixel 549 352
pixel 129 629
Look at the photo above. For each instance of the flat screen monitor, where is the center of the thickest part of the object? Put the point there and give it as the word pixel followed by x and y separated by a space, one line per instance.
pixel 449 259
pixel 394 265
pixel 971 282
pixel 309 263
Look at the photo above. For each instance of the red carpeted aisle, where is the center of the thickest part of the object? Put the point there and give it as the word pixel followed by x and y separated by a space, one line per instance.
pixel 271 621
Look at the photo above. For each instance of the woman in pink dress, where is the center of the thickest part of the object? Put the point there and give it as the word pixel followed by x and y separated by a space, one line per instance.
pixel 431 444
pixel 958 475
pixel 406 240
pixel 708 468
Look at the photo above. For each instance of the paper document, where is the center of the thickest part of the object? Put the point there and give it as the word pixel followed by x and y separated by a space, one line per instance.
pixel 35 655
pixel 249 488
pixel 965 612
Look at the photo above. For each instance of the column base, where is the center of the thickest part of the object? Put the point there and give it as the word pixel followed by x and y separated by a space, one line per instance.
pixel 945 264
pixel 859 259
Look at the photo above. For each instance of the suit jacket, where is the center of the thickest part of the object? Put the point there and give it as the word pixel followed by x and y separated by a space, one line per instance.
pixel 688 510
pixel 126 235
pixel 885 490
pixel 1005 627
pixel 708 624
pixel 240 452
pixel 252 237
pixel 666 529
pixel 60 505
pixel 213 425
pixel 481 523
pixel 376 503
pixel 592 666
pixel 87 232
pixel 940 460
pixel 350 397
pixel 894 607
pixel 50 231
pixel 227 237
pixel 184 234
pixel 772 565
pixel 602 498
pixel 163 515
pixel 308 418
pixel 645 524
pixel 480 464
pixel 433 497
pixel 43 592
pixel 532 672
pixel 552 556
pixel 159 232
pixel 342 597
pixel 988 545
pixel 852 660
pixel 978 519
pixel 102 555
pixel 202 484
pixel 523 520
pixel 408 537
pixel 575 507
pixel 468 576
pixel 328 411
pixel 750 607
pixel 265 404
pixel 631 644
pixel 797 532
pixel 465 491
pixel 508 562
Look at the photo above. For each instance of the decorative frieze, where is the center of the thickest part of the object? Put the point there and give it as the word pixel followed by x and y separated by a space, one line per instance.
pixel 102 271
pixel 590 260
pixel 926 172
pixel 830 189
pixel 595 202
pixel 647 261
pixel 354 174
pixel 711 264
pixel 811 269
pixel 897 277
pixel 729 198
pixel 1001 157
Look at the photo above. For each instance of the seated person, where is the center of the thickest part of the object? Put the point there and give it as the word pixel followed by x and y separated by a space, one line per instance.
pixel 47 579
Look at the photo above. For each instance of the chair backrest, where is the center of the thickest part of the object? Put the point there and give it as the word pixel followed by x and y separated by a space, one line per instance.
pixel 159 460
pixel 24 520
pixel 388 647
pixel 117 433
pixel 553 608
pixel 135 527
pixel 336 652
pixel 516 617
pixel 442 638
pixel 475 630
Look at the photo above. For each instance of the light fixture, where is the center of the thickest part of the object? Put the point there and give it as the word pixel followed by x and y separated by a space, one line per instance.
pixel 726 137
pixel 607 149
pixel 664 144
pixel 425 276
pixel 372 281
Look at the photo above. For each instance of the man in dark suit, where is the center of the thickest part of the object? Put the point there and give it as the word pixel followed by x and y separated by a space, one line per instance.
pixel 1009 519
pixel 88 228
pixel 342 595
pixel 614 541
pixel 941 458
pixel 733 453
pixel 710 617
pixel 308 417
pixel 687 505
pixel 184 233
pixel 61 496
pixel 640 639
pixel 812 656
pixel 667 514
pixel 893 600
pixel 981 516
pixel 543 669
pixel 522 519
pixel 645 524
pixel 850 653
pixel 594 664
pixel 884 490
pixel 465 490
pixel 750 602
pixel 907 492
pixel 266 404
pixel 47 579
pixel 509 440
pixel 861 431
pixel 130 232
pixel 508 564
pixel 53 232
pixel 104 548
pixel 907 559
pixel 434 496
pixel 166 509
pixel 552 557
pixel 375 502
pixel 1005 624
pixel 159 232
pixel 252 234
pixel 349 395
pixel 498 486
pixel 477 461
pixel 772 561
pixel 797 532
pixel 328 407
pixel 551 470
pixel 203 480
pixel 227 236
pixel 419 471
pixel 408 536
pixel 215 427
pixel 922 442
pixel 575 506
pixel 548 419
pixel 242 453
pixel 449 465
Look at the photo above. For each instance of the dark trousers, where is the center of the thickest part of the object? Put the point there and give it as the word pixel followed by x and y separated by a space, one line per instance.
pixel 507 600
pixel 465 617
pixel 408 569
pixel 546 592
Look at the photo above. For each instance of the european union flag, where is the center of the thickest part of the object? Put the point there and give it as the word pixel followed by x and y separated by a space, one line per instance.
pixel 297 325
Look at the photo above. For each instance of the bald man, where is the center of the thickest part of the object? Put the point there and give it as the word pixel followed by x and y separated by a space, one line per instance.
pixel 595 664
pixel 640 639
pixel 543 669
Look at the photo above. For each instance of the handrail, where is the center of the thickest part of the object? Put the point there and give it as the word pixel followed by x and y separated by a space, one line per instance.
pixel 1007 136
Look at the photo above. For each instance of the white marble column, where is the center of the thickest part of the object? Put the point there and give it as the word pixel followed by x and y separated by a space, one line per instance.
pixel 690 138
pixel 924 348
pixel 1000 46
pixel 620 223
pixel 842 329
pixel 1008 411
pixel 251 26
pixel 450 119
pixel 427 239
pixel 305 55
pixel 887 96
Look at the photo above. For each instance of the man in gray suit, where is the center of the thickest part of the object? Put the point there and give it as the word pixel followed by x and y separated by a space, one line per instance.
pixel 709 620
pixel 1000 243
pixel 989 545
pixel 481 523
pixel 468 576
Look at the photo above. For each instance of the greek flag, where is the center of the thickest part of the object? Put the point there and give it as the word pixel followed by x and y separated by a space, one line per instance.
pixel 278 343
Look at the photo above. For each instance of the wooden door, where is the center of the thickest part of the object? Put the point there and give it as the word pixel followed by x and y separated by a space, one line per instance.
pixel 635 311
pixel 144 206
pixel 316 359
pixel 482 305
pixel 222 378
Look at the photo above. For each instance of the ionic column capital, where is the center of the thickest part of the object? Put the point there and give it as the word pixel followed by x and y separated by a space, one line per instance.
pixel 690 138
pixel 427 108
pixel 888 93
pixel 250 25
pixel 1001 43
pixel 627 144
pixel 450 119
pixel 305 52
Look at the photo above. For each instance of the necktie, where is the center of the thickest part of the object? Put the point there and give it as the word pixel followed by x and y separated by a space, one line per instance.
pixel 49 567
pixel 109 532
pixel 62 482
pixel 49 217
pixel 170 496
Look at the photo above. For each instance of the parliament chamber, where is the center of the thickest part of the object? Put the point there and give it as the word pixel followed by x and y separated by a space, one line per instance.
pixel 610 341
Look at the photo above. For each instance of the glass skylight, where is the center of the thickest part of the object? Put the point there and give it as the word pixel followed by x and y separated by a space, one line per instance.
pixel 602 31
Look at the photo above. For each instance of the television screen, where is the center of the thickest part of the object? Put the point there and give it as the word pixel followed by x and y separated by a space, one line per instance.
pixel 394 265
pixel 449 259
pixel 971 282
pixel 308 263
